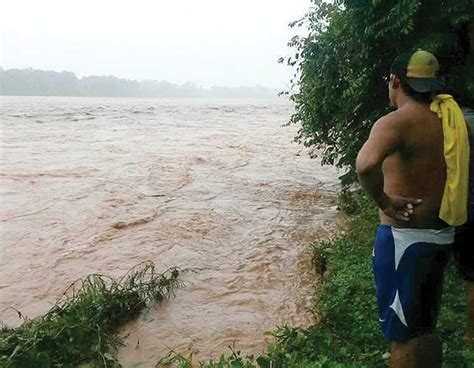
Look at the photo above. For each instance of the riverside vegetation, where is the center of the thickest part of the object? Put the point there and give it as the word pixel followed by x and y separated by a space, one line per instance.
pixel 81 327
pixel 341 65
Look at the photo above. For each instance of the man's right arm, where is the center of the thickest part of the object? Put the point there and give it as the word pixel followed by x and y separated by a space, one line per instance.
pixel 385 138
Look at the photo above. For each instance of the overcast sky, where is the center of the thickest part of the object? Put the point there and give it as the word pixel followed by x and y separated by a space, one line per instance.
pixel 208 42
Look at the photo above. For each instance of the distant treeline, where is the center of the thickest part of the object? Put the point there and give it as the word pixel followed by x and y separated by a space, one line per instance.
pixel 31 82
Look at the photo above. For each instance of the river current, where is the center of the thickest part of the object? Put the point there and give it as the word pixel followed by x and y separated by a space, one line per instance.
pixel 216 187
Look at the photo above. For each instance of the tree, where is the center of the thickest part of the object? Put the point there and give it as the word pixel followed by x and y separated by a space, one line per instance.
pixel 31 82
pixel 340 86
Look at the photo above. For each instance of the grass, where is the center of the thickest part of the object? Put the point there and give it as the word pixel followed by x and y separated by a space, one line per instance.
pixel 347 333
pixel 81 327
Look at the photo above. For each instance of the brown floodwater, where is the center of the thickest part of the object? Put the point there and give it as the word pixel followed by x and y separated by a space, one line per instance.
pixel 216 187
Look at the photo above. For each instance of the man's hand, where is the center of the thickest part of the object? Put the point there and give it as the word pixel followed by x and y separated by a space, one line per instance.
pixel 398 207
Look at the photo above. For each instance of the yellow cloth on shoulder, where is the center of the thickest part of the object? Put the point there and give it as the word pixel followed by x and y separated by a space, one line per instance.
pixel 453 209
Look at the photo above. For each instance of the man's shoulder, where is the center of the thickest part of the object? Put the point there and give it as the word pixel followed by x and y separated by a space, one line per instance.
pixel 393 120
pixel 404 121
pixel 410 116
pixel 390 126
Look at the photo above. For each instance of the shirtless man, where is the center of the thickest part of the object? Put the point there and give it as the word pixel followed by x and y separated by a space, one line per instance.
pixel 403 168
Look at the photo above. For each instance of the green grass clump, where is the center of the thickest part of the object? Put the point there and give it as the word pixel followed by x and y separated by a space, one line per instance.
pixel 81 326
pixel 347 333
pixel 233 360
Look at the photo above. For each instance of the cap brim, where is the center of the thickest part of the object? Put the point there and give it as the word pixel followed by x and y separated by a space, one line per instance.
pixel 423 85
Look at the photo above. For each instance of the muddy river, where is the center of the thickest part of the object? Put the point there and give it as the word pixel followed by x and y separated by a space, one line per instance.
pixel 216 187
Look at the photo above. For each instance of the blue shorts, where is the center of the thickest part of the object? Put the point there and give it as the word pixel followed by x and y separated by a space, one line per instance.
pixel 408 268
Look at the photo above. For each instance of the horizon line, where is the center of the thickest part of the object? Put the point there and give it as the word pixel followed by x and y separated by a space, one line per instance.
pixel 2 68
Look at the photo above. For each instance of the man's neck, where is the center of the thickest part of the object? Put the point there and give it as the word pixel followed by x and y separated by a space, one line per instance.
pixel 405 101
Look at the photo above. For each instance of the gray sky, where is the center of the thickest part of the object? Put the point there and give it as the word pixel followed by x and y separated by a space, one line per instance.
pixel 209 42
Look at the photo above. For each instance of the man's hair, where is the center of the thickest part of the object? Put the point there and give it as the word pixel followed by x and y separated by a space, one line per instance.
pixel 423 97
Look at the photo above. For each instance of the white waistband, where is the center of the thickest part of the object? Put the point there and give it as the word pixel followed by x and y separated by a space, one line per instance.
pixel 409 235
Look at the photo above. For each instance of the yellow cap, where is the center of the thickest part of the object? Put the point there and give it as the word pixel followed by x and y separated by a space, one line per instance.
pixel 419 69
pixel 422 64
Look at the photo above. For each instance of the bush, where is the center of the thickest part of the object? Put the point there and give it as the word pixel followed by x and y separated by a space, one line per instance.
pixel 340 87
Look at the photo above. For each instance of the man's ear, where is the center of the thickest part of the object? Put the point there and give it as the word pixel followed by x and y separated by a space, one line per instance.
pixel 395 81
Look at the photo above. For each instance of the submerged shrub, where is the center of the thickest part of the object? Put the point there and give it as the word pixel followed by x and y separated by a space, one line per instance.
pixel 81 326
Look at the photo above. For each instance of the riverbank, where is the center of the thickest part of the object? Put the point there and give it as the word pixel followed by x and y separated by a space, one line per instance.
pixel 347 332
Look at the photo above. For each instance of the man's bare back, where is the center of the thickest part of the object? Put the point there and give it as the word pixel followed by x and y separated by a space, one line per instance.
pixel 416 168
pixel 402 166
